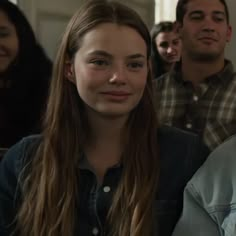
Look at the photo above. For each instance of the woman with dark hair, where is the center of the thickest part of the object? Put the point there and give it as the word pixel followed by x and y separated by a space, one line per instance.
pixel 166 47
pixel 98 168
pixel 25 71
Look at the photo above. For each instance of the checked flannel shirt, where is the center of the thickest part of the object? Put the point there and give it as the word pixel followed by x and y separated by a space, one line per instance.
pixel 209 111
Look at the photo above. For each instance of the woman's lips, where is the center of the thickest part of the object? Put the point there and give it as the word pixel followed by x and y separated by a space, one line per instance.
pixel 116 95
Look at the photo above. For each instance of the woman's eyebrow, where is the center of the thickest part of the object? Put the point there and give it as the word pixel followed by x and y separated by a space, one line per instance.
pixel 100 53
pixel 106 54
pixel 137 55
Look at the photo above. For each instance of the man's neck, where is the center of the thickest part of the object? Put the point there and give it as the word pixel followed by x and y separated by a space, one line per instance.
pixel 197 72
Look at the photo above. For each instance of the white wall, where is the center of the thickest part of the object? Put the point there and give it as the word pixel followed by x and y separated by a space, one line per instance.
pixel 165 10
pixel 13 1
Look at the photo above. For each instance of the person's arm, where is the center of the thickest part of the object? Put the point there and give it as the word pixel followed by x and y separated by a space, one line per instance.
pixel 9 171
pixel 195 220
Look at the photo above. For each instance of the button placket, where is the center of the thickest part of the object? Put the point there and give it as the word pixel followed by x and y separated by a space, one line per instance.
pixel 95 231
pixel 195 98
pixel 189 126
pixel 106 189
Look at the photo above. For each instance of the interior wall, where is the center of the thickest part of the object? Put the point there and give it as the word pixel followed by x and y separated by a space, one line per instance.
pixel 145 8
pixel 49 18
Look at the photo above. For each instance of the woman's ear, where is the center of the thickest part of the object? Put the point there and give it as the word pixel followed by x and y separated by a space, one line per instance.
pixel 69 71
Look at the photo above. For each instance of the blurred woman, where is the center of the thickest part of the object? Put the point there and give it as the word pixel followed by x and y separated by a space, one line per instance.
pixel 166 47
pixel 25 71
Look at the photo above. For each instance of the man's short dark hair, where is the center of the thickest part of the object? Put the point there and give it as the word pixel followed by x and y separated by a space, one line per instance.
pixel 182 8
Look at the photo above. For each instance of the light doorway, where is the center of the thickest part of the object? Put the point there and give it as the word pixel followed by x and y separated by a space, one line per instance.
pixel 165 10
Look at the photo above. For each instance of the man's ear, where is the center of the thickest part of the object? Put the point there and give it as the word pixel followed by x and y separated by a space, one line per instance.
pixel 178 28
pixel 229 34
pixel 69 71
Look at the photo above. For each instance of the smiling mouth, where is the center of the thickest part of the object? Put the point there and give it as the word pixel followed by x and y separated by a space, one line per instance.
pixel 116 95
pixel 207 39
pixel 172 57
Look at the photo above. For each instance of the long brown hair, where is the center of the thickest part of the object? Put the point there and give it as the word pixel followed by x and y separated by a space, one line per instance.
pixel 50 188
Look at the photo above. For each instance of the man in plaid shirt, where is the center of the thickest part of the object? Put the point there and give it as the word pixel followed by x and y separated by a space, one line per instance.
pixel 200 93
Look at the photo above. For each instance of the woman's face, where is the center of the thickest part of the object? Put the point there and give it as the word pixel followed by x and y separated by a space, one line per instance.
pixel 9 44
pixel 168 46
pixel 110 69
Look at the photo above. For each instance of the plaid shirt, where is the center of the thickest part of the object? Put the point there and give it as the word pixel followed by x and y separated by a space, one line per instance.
pixel 209 110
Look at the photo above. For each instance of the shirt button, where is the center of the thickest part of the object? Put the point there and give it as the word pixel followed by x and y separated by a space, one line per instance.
pixel 195 98
pixel 189 126
pixel 106 189
pixel 95 231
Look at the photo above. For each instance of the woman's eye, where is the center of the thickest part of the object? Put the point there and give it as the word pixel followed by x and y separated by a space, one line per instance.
pixel 99 62
pixel 135 65
pixel 218 19
pixel 176 42
pixel 4 34
pixel 164 45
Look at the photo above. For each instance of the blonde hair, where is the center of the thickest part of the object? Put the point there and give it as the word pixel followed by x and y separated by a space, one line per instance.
pixel 50 182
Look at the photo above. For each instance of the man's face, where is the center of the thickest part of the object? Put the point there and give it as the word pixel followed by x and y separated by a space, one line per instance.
pixel 205 30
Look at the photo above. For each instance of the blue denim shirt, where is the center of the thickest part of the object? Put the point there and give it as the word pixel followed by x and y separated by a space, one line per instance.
pixel 210 196
pixel 181 154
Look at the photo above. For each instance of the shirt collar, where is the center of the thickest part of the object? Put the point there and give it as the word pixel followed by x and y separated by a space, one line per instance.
pixel 85 165
pixel 222 76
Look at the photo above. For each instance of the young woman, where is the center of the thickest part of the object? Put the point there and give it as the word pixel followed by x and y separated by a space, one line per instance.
pixel 166 47
pixel 25 71
pixel 101 165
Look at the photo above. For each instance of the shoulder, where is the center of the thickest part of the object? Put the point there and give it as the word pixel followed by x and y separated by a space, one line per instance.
pixel 14 159
pixel 178 141
pixel 159 81
pixel 166 132
pixel 213 187
pixel 218 172
pixel 181 153
pixel 10 192
pixel 228 73
pixel 168 80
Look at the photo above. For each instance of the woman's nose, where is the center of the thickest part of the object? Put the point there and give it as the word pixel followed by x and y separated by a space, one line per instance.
pixel 170 50
pixel 118 75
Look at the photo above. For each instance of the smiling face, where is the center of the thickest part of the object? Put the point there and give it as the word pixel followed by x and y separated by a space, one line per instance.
pixel 168 46
pixel 110 69
pixel 205 30
pixel 9 45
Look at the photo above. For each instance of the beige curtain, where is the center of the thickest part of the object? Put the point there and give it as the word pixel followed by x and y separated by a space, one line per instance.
pixel 14 1
pixel 165 10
